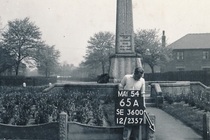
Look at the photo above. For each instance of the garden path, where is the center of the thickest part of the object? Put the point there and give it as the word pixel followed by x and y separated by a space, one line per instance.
pixel 169 128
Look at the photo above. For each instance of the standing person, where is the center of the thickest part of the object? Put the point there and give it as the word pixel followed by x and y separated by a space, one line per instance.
pixel 133 81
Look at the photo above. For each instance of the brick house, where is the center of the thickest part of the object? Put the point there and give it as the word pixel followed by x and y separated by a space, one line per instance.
pixel 190 53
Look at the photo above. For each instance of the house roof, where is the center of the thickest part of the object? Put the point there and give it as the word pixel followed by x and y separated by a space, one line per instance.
pixel 192 41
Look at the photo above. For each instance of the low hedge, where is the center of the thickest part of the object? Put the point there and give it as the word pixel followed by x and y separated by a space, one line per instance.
pixel 30 81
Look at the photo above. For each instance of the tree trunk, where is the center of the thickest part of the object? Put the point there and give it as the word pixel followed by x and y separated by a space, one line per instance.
pixel 17 68
pixel 18 61
pixel 103 67
pixel 152 68
pixel 46 72
pixel 153 71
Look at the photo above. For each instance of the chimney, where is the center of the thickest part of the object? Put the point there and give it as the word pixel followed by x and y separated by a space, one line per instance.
pixel 163 39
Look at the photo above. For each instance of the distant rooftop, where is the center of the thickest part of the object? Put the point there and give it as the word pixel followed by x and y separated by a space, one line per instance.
pixel 192 41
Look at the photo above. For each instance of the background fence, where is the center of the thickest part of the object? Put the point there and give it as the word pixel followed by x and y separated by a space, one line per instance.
pixel 202 76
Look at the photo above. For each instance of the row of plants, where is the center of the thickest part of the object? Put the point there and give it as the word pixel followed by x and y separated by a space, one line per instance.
pixel 19 104
pixel 198 98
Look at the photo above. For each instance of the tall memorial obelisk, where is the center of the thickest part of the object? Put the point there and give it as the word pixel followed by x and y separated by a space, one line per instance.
pixel 125 58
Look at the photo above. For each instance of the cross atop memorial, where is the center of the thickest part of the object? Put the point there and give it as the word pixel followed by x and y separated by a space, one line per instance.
pixel 125 59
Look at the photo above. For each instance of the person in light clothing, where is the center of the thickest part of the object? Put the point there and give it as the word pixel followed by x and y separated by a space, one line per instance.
pixel 133 81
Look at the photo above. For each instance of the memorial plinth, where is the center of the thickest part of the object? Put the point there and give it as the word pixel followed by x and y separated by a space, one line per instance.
pixel 122 64
pixel 125 59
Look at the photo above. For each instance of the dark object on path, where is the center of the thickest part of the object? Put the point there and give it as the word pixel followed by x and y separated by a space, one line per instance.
pixel 103 78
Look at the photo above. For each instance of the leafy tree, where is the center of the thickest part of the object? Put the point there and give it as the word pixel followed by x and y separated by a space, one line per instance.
pixel 20 40
pixel 6 60
pixel 148 44
pixel 65 69
pixel 99 48
pixel 47 59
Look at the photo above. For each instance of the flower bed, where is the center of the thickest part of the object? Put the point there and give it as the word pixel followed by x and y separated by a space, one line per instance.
pixel 18 105
pixel 197 95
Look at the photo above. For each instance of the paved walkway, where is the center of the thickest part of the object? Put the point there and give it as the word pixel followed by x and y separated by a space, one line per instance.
pixel 169 128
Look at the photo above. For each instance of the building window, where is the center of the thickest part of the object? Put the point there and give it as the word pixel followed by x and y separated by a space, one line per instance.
pixel 180 68
pixel 205 55
pixel 206 69
pixel 180 55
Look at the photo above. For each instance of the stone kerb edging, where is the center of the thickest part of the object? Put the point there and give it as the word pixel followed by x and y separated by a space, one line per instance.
pixel 27 126
pixel 171 87
pixel 176 88
pixel 200 84
pixel 180 84
pixel 93 126
pixel 82 84
pixel 176 84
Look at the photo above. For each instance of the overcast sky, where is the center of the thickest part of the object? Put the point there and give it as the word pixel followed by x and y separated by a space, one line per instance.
pixel 68 24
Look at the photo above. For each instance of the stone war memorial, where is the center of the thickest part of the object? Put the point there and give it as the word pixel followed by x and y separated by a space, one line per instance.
pixel 125 59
